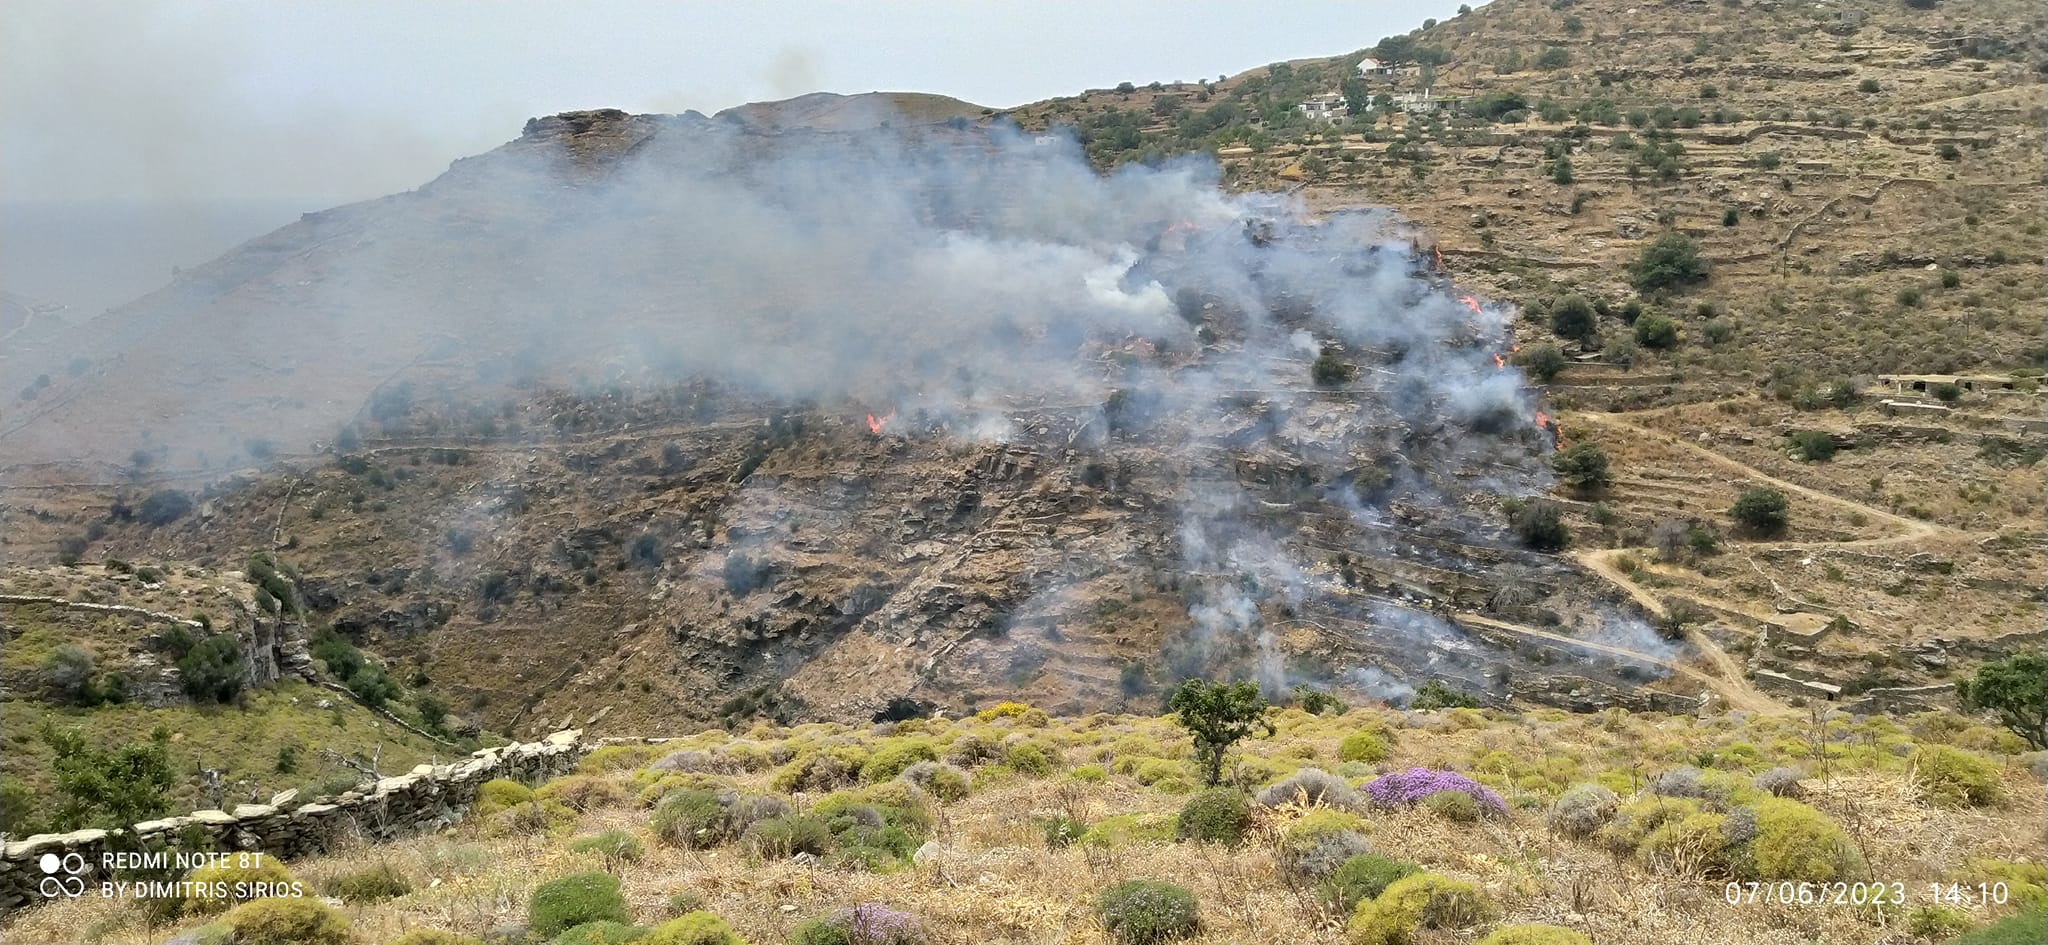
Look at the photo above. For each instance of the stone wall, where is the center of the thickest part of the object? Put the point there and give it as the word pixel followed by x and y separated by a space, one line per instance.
pixel 428 798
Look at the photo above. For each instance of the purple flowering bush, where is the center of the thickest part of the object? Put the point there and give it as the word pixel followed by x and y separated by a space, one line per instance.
pixel 869 923
pixel 1413 786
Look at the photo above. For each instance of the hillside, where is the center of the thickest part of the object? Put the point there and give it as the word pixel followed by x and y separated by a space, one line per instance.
pixel 1024 822
pixel 1663 379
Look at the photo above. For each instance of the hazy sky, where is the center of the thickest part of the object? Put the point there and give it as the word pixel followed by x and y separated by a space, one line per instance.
pixel 332 101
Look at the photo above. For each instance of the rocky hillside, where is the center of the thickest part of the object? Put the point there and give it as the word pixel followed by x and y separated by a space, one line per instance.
pixel 493 426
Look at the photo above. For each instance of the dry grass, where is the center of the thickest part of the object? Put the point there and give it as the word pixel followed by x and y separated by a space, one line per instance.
pixel 994 879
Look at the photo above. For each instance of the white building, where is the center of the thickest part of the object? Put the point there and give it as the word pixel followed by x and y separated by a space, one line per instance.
pixel 1374 69
pixel 1423 101
pixel 1328 108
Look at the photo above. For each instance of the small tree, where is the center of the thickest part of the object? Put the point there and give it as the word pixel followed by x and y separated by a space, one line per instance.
pixel 70 670
pixel 1583 466
pixel 1540 525
pixel 1218 715
pixel 1572 317
pixel 1670 261
pixel 112 789
pixel 1544 362
pixel 214 670
pixel 1764 511
pixel 2016 690
pixel 1656 331
pixel 1331 370
pixel 432 711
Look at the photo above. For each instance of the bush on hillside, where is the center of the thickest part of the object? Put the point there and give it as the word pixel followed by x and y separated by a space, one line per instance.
pixel 1362 878
pixel 1540 526
pixel 1413 786
pixel 569 901
pixel 214 670
pixel 1421 901
pixel 1535 935
pixel 1951 777
pixel 1670 261
pixel 695 818
pixel 224 883
pixel 1147 912
pixel 1367 747
pixel 284 921
pixel 1584 809
pixel 1762 510
pixel 939 779
pixel 616 846
pixel 893 756
pixel 434 937
pixel 1780 781
pixel 693 928
pixel 1311 787
pixel 374 883
pixel 499 794
pixel 870 923
pixel 583 792
pixel 779 838
pixel 601 932
pixel 1317 844
pixel 1217 815
pixel 1797 843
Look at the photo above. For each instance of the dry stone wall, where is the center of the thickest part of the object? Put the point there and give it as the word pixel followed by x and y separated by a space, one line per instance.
pixel 428 798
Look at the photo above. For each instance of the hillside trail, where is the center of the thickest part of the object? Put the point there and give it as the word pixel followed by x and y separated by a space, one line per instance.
pixel 1727 679
pixel 1727 670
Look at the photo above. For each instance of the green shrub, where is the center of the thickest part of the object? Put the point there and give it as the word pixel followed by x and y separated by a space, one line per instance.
pixel 695 818
pixel 940 780
pixel 1540 525
pixel 1583 466
pixel 616 846
pixel 695 928
pixel 601 932
pixel 1319 843
pixel 1217 815
pixel 231 881
pixel 820 932
pixel 287 921
pixel 1535 935
pixel 1763 510
pixel 583 792
pixel 1127 829
pixel 1146 912
pixel 2023 929
pixel 1951 777
pixel 1414 903
pixel 779 838
pixel 893 757
pixel 1456 806
pixel 499 794
pixel 616 758
pixel 374 883
pixel 1797 843
pixel 434 937
pixel 1656 331
pixel 1061 830
pixel 1363 877
pixel 532 817
pixel 1670 261
pixel 1029 759
pixel 1367 747
pixel 562 904
pixel 214 670
pixel 1813 446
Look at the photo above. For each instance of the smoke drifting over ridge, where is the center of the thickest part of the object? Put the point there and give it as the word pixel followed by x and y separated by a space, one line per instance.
pixel 943 283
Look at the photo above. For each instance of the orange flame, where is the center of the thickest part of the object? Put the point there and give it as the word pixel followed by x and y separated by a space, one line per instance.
pixel 1439 251
pixel 1499 361
pixel 1470 303
pixel 875 424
